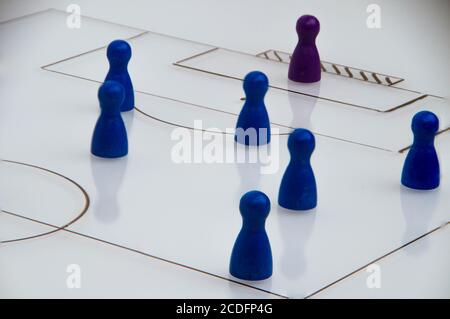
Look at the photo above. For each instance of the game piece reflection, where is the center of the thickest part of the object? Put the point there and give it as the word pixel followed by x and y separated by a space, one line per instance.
pixel 108 177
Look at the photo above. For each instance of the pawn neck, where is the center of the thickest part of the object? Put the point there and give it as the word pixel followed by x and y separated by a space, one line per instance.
pixel 254 224
pixel 118 68
pixel 423 141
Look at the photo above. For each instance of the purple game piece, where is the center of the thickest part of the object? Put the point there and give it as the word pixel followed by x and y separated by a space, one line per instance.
pixel 305 61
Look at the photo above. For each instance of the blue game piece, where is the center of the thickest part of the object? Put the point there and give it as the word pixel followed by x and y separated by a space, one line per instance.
pixel 298 187
pixel 253 126
pixel 110 135
pixel 119 54
pixel 421 167
pixel 251 258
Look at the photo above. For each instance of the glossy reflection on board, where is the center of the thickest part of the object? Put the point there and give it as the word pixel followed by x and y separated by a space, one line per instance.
pixel 249 170
pixel 302 109
pixel 128 118
pixel 254 161
pixel 295 230
pixel 108 175
pixel 418 207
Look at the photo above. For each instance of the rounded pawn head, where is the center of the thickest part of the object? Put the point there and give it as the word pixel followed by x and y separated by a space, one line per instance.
pixel 256 84
pixel 308 28
pixel 301 143
pixel 118 52
pixel 254 205
pixel 425 124
pixel 111 95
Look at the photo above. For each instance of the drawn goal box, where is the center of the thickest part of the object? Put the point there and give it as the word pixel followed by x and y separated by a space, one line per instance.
pixel 207 78
pixel 344 90
pixel 338 69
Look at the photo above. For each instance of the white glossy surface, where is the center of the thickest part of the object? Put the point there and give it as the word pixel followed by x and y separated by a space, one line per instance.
pixel 421 270
pixel 105 272
pixel 362 212
pixel 153 72
pixel 153 193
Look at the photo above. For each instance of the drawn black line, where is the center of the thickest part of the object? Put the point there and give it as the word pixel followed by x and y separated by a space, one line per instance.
pixel 78 216
pixel 146 254
pixel 375 260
